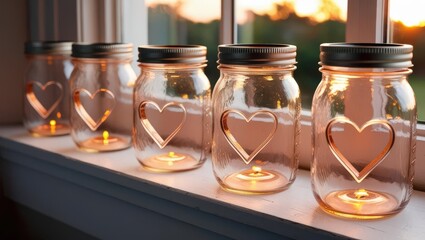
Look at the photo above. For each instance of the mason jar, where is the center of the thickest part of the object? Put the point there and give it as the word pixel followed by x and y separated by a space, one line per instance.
pixel 364 124
pixel 46 104
pixel 172 109
pixel 256 113
pixel 102 96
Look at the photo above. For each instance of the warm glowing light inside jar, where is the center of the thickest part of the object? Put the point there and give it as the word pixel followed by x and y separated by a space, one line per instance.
pixel 361 193
pixel 105 136
pixel 52 124
pixel 257 170
pixel 105 139
pixel 171 157
pixel 255 174
pixel 360 196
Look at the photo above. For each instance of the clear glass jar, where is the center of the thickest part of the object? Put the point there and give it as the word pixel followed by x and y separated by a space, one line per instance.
pixel 256 113
pixel 102 96
pixel 172 112
pixel 46 105
pixel 364 124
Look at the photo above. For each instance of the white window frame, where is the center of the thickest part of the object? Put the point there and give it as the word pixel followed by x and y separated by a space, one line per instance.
pixel 126 21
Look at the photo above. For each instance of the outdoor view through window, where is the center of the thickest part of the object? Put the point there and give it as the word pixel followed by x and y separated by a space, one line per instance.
pixel 304 23
pixel 408 25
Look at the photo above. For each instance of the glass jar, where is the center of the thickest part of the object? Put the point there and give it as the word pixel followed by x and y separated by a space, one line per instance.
pixel 364 124
pixel 256 113
pixel 172 112
pixel 46 105
pixel 102 96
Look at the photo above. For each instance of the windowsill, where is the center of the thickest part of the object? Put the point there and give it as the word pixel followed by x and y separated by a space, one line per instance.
pixel 109 194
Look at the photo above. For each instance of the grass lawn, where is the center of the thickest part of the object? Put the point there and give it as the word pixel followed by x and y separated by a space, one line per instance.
pixel 418 85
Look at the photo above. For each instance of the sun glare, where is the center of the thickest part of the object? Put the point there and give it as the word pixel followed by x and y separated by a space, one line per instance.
pixel 409 12
pixel 307 7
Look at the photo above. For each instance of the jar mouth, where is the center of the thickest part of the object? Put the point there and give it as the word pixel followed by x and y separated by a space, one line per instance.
pixel 101 60
pixel 337 70
pixel 264 68
pixel 167 66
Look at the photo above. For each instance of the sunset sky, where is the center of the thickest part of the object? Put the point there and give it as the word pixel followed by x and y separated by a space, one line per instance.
pixel 409 12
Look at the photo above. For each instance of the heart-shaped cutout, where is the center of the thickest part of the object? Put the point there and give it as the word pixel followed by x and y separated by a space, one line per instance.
pixel 44 110
pixel 359 176
pixel 151 130
pixel 82 110
pixel 247 158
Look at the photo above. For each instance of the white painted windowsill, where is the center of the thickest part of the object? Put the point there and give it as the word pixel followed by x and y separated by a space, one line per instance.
pixel 109 196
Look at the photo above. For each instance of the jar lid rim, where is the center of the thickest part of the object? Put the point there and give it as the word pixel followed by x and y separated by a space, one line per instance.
pixel 48 47
pixel 379 55
pixel 169 54
pixel 102 50
pixel 257 54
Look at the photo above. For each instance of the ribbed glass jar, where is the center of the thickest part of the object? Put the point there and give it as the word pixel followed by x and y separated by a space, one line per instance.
pixel 102 96
pixel 46 104
pixel 256 113
pixel 172 109
pixel 364 124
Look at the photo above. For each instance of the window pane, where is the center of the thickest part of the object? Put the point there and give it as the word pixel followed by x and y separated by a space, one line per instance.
pixel 408 21
pixel 304 23
pixel 186 22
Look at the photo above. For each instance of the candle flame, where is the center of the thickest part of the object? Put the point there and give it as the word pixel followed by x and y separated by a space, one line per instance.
pixel 105 136
pixel 59 115
pixel 256 169
pixel 361 193
pixel 171 154
pixel 52 126
pixel 268 78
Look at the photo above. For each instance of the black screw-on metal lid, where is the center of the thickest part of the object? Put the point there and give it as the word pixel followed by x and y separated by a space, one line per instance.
pixel 102 50
pixel 48 47
pixel 257 54
pixel 172 54
pixel 366 55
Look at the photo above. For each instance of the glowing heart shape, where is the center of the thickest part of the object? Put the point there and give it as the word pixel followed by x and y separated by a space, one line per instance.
pixel 247 158
pixel 359 176
pixel 151 130
pixel 42 110
pixel 81 109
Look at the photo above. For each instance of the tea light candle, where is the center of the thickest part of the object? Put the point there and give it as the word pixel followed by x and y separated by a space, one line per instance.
pixel 170 161
pixel 256 180
pixel 105 139
pixel 360 202
pixel 105 142
pixel 255 174
pixel 51 129
pixel 171 157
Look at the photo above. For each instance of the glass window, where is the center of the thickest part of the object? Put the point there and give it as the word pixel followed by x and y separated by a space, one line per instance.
pixel 187 22
pixel 304 23
pixel 408 26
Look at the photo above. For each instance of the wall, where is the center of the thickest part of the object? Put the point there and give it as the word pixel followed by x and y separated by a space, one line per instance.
pixel 13 32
